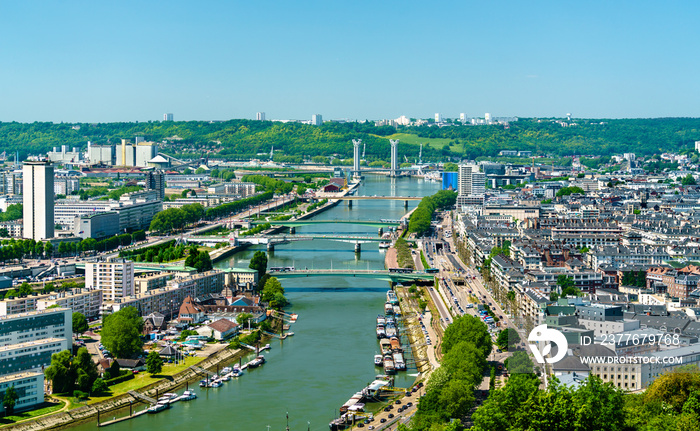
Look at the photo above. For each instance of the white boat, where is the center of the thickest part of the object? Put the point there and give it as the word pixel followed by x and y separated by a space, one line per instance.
pixel 167 398
pixel 377 360
pixel 158 407
pixel 388 308
pixel 226 378
pixel 385 244
pixel 188 395
pixel 226 370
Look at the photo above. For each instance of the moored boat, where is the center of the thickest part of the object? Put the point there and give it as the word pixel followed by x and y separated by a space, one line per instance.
pixel 378 360
pixel 158 407
pixel 381 332
pixel 188 395
pixel 385 244
pixel 399 363
pixel 389 365
pixel 388 308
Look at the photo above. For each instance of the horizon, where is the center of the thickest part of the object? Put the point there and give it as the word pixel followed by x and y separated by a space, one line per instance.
pixel 132 61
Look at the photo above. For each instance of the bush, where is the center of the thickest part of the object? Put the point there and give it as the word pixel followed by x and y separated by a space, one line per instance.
pixel 80 395
pixel 126 375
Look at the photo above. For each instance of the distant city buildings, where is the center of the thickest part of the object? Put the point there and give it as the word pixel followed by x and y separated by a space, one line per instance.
pixel 167 117
pixel 316 120
pixel 38 200
pixel 260 116
pixel 114 277
pixel 438 117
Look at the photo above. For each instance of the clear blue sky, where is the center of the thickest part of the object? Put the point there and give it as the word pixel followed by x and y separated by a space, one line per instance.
pixel 97 61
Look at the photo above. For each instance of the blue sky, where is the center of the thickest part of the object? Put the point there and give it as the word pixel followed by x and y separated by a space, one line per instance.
pixel 93 61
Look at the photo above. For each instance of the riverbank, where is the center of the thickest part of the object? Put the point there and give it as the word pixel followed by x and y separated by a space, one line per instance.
pixel 118 404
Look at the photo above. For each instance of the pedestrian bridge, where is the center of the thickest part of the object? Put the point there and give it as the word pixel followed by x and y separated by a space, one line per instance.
pixel 395 277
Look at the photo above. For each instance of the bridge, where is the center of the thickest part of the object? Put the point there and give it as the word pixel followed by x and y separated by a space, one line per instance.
pixel 295 223
pixel 390 198
pixel 273 240
pixel 394 277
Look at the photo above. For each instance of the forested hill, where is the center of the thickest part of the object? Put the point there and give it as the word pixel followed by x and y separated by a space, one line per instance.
pixel 245 138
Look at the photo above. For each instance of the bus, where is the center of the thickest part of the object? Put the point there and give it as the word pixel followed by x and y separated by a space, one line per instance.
pixel 432 270
pixel 401 270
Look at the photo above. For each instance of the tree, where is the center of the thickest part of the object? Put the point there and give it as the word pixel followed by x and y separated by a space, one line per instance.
pixel 60 373
pixel 519 363
pixel 99 386
pixel 121 333
pixel 507 339
pixel 85 370
pixel 4 233
pixel 259 263
pixel 243 318
pixel 80 323
pixel 467 328
pixel 688 180
pixel 9 400
pixel 48 249
pixel 567 286
pixel 450 167
pixel 154 363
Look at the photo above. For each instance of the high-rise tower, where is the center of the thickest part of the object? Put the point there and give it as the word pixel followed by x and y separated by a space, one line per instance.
pixel 394 158
pixel 38 199
pixel 356 157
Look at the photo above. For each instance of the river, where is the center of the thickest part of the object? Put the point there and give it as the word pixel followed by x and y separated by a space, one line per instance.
pixel 311 374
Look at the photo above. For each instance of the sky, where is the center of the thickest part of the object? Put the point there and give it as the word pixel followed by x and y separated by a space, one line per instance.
pixel 96 61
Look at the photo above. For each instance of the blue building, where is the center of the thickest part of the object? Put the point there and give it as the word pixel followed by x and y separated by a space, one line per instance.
pixel 449 180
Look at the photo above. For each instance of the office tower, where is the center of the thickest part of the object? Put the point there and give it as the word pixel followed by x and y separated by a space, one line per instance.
pixel 463 117
pixel 316 119
pixel 155 180
pixel 438 117
pixel 260 116
pixel 487 117
pixel 38 199
pixel 471 186
pixel 167 117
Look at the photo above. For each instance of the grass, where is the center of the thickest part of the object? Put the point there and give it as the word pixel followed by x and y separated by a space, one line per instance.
pixel 43 409
pixel 140 380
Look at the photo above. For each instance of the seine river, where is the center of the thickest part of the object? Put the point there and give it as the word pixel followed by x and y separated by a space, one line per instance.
pixel 311 374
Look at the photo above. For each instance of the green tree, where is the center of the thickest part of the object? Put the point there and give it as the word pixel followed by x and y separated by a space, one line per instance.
pixel 154 363
pixel 121 333
pixel 4 233
pixel 80 323
pixel 507 339
pixel 273 293
pixel 567 286
pixel 519 363
pixel 99 387
pixel 467 328
pixel 259 263
pixel 688 180
pixel 450 167
pixel 243 318
pixel 60 373
pixel 9 400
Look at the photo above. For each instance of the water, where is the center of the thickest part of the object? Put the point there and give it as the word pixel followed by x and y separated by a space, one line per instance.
pixel 311 374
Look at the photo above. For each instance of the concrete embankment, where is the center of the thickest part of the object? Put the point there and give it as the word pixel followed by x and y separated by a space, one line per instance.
pixel 113 405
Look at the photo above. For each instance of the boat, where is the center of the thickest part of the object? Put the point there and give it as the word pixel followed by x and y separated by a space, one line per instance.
pixel 236 372
pixel 381 320
pixel 388 308
pixel 397 311
pixel 289 334
pixel 188 395
pixel 226 370
pixel 395 344
pixel 226 378
pixel 392 298
pixel 167 398
pixel 203 383
pixel 389 365
pixel 381 333
pixel 257 362
pixel 214 384
pixel 158 407
pixel 399 363
pixel 385 346
pixel 377 360
pixel 391 330
pixel 385 244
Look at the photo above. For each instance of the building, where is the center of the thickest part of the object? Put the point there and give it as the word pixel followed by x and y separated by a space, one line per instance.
pixel 219 330
pixel 96 225
pixel 144 283
pixel 167 117
pixel 28 341
pixel 85 301
pixel 138 154
pixel 155 180
pixel 450 180
pixel 438 117
pixel 65 156
pixel 14 228
pixel 260 116
pixel 167 300
pixel 38 200
pixel 115 277
pixel 471 186
pixel 101 154
pixel 17 305
pixel 65 185
pixel 316 120
pixel 463 118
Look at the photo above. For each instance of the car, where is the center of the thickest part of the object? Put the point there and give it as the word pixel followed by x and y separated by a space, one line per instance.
pixel 400 410
pixel 397 402
pixel 382 420
pixel 366 421
pixel 360 425
pixel 371 427
pixel 408 393
pixel 386 409
pixel 409 404
pixel 391 415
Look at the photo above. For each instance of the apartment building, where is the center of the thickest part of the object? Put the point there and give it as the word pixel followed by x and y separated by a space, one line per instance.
pixel 21 304
pixel 85 301
pixel 115 277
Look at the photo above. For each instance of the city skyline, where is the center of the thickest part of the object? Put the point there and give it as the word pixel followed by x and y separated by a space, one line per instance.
pixel 87 62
